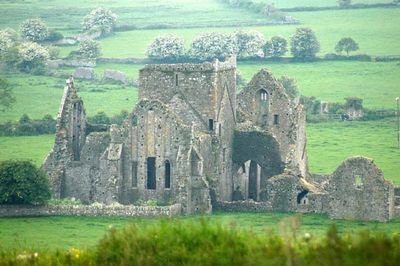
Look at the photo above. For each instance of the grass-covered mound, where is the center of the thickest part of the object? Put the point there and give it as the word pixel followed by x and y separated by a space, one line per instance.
pixel 204 243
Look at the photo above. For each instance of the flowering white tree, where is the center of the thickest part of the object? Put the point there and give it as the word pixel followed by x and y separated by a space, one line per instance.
pixel 213 45
pixel 99 19
pixel 34 30
pixel 167 46
pixel 89 49
pixel 32 55
pixel 249 43
pixel 5 43
pixel 275 47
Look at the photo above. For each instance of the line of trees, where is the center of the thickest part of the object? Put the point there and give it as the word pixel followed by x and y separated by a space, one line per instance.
pixel 29 49
pixel 244 44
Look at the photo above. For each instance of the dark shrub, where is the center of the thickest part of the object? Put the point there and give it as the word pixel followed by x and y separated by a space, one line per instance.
pixel 21 182
pixel 54 36
pixel 99 118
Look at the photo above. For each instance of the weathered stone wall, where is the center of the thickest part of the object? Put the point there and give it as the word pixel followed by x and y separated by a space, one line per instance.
pixel 358 190
pixel 88 210
pixel 69 140
pixel 115 75
pixel 195 84
pixel 85 73
pixel 71 63
pixel 242 206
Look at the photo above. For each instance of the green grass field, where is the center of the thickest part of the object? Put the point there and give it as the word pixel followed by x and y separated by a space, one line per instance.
pixel 376 83
pixel 33 148
pixel 318 3
pixel 43 233
pixel 331 143
pixel 40 95
pixel 67 16
pixel 381 38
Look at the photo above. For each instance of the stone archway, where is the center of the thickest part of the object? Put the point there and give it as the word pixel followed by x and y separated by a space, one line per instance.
pixel 256 157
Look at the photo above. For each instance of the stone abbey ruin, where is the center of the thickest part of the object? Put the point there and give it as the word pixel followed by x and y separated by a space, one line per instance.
pixel 192 140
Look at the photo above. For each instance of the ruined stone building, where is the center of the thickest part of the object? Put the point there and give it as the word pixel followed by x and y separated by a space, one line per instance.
pixel 192 139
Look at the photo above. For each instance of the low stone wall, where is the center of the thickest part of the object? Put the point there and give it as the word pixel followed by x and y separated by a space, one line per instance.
pixel 70 63
pixel 242 206
pixel 89 210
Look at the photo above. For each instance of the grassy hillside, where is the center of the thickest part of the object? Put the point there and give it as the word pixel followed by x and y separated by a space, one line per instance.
pixel 318 3
pixel 33 148
pixel 376 83
pixel 43 233
pixel 381 38
pixel 40 95
pixel 67 15
pixel 331 143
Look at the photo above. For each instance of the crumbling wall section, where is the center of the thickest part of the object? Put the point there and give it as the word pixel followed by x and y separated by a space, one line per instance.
pixel 358 190
pixel 265 103
pixel 70 138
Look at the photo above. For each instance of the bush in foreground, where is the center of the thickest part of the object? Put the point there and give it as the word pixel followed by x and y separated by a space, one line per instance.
pixel 173 242
pixel 21 182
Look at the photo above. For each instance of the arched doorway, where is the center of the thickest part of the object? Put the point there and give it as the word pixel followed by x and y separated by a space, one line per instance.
pixel 247 183
pixel 256 157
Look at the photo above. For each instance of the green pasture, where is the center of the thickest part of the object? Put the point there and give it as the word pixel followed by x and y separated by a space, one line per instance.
pixel 328 145
pixel 381 37
pixel 318 3
pixel 33 148
pixel 331 143
pixel 377 83
pixel 44 233
pixel 41 95
pixel 67 16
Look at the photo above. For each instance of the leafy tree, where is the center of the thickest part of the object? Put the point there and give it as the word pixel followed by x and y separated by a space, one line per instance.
pixel 167 46
pixel 249 43
pixel 21 182
pixel 6 95
pixel 347 45
pixel 212 45
pixel 34 30
pixel 344 3
pixel 290 86
pixel 89 49
pixel 304 44
pixel 276 47
pixel 31 56
pixel 100 19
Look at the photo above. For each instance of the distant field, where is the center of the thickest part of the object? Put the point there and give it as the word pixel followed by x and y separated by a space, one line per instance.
pixel 375 82
pixel 382 37
pixel 43 233
pixel 34 148
pixel 67 15
pixel 40 95
pixel 331 143
pixel 318 3
pixel 328 145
